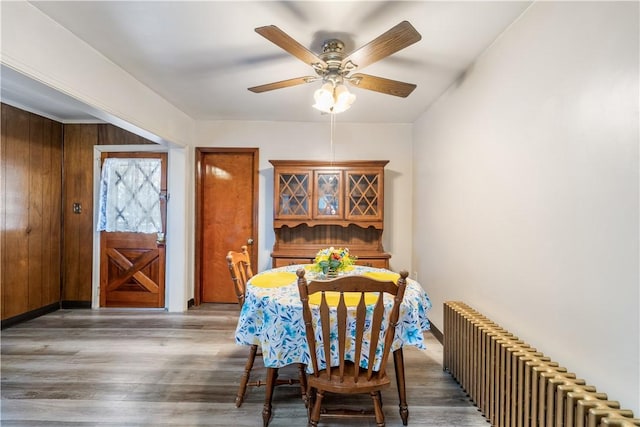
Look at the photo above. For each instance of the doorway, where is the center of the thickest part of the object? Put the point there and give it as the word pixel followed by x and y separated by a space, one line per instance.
pixel 132 264
pixel 226 217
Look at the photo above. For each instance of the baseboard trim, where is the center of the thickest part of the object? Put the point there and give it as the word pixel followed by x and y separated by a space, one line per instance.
pixel 75 304
pixel 12 321
pixel 437 333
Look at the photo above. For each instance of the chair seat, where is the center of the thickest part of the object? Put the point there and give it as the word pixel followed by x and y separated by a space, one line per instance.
pixel 348 385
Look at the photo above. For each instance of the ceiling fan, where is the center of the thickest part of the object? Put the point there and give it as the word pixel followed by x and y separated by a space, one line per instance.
pixel 334 67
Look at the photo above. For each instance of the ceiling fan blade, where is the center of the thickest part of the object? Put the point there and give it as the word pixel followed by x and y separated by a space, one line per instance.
pixel 395 39
pixel 282 39
pixel 282 84
pixel 382 85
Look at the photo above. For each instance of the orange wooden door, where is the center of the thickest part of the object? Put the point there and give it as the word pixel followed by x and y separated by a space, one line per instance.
pixel 132 265
pixel 226 217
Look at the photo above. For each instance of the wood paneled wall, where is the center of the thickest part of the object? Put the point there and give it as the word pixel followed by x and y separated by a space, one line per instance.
pixel 46 248
pixel 78 227
pixel 31 214
pixel 78 188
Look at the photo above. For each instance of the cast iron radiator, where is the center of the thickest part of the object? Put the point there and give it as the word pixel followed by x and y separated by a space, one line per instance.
pixel 515 385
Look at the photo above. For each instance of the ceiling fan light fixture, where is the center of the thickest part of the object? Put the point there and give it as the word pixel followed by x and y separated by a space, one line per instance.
pixel 333 99
pixel 324 98
pixel 343 98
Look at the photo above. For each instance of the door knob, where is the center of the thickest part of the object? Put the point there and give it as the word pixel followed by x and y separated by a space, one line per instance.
pixel 249 241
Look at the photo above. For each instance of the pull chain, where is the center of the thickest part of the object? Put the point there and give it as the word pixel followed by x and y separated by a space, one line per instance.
pixel 333 121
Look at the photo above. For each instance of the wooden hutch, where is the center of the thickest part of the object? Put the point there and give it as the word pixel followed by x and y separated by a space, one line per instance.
pixel 322 204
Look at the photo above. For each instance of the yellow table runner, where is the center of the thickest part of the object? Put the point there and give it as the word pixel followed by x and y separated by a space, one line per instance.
pixel 383 275
pixel 274 280
pixel 284 278
pixel 351 299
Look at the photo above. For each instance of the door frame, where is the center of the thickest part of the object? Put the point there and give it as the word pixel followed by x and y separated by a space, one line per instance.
pixel 199 155
pixel 97 164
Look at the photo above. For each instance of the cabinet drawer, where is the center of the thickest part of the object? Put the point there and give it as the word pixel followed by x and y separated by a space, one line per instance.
pixel 373 262
pixel 283 262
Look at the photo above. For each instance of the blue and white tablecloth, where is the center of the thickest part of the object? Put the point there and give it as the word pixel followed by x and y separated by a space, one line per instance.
pixel 271 318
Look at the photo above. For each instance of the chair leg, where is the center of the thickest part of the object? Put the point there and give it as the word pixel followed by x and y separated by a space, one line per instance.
pixel 272 377
pixel 311 395
pixel 242 389
pixel 377 407
pixel 315 412
pixel 398 362
pixel 303 383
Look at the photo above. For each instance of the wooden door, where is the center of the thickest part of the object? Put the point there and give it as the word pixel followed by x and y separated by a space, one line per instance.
pixel 132 265
pixel 226 217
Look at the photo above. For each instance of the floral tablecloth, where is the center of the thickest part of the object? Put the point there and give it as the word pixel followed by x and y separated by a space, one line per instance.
pixel 271 316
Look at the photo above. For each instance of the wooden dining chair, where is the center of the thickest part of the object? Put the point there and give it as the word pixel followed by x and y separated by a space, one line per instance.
pixel 347 377
pixel 240 269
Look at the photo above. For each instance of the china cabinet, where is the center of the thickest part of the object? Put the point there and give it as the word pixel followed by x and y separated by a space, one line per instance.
pixel 322 204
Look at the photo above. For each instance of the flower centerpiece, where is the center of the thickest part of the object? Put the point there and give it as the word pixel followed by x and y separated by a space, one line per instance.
pixel 331 261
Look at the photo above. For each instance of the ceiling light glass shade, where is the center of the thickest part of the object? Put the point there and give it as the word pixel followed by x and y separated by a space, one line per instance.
pixel 333 100
pixel 324 98
pixel 342 99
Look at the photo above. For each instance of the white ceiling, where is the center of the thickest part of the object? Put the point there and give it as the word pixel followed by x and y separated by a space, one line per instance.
pixel 202 56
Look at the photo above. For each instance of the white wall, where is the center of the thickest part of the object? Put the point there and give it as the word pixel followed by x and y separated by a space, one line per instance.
pixel 293 140
pixel 526 190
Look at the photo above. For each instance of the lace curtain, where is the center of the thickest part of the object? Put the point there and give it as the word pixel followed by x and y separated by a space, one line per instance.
pixel 130 196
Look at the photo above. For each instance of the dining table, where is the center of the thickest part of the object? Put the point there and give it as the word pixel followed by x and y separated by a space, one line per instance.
pixel 271 318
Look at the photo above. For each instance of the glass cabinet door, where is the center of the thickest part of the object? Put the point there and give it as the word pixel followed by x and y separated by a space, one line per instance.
pixel 364 195
pixel 328 195
pixel 293 195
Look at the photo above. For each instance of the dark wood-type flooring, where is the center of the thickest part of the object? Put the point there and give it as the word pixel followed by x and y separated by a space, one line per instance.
pixel 115 367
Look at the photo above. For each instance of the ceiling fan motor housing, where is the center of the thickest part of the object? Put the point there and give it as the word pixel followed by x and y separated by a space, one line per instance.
pixel 333 45
pixel 333 55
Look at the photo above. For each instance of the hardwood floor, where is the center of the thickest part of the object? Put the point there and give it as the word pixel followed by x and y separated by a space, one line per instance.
pixel 119 367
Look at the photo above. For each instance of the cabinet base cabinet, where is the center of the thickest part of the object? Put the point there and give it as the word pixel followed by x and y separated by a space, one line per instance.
pixel 284 260
pixel 374 262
